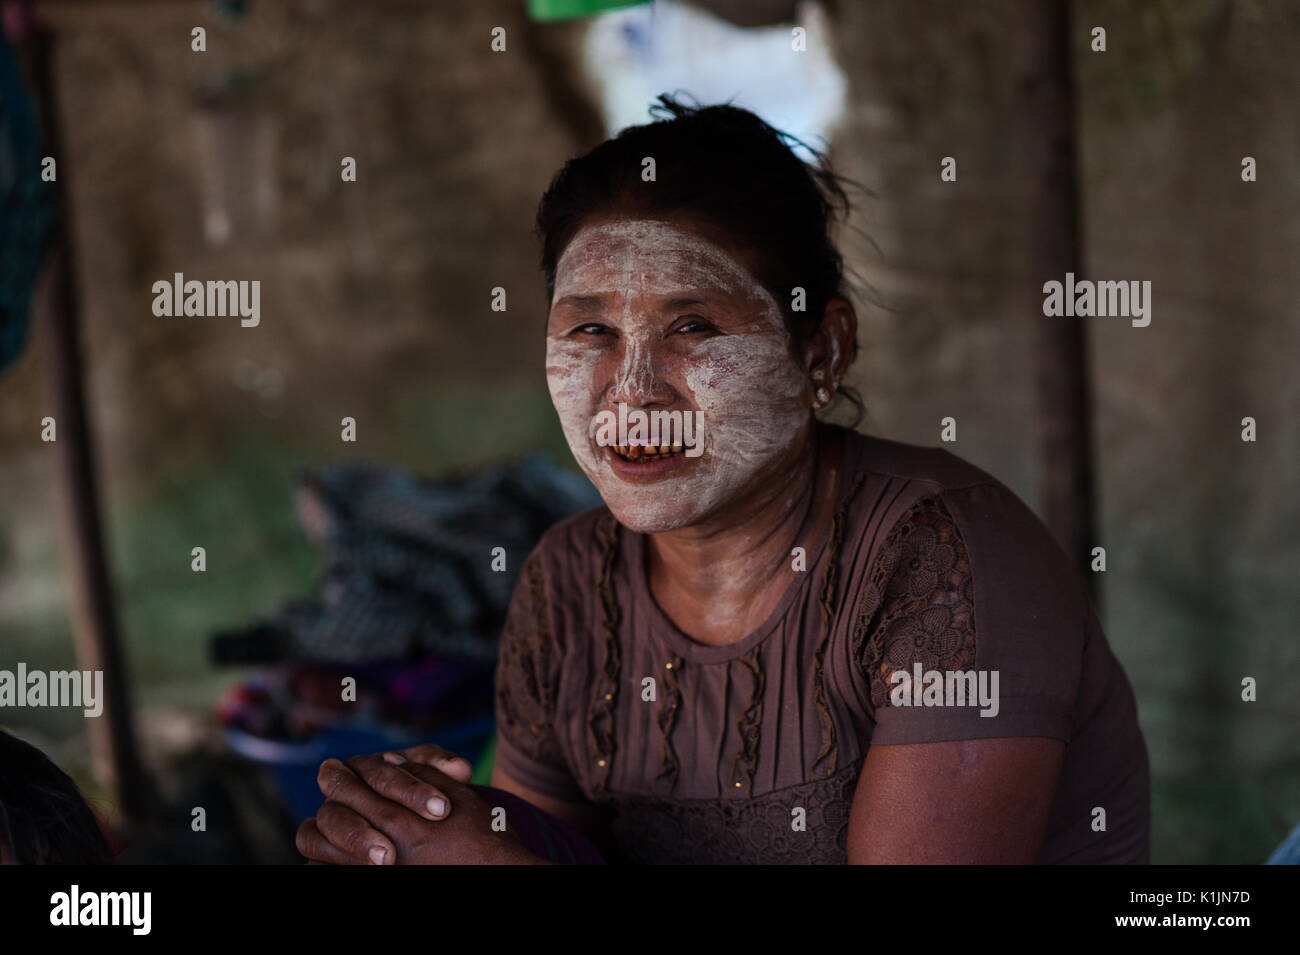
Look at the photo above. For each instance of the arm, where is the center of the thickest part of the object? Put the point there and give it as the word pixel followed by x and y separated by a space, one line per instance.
pixel 394 791
pixel 946 784
pixel 582 816
pixel 382 803
pixel 960 802
pixel 531 760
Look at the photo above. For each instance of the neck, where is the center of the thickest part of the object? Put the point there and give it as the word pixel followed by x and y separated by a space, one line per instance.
pixel 722 578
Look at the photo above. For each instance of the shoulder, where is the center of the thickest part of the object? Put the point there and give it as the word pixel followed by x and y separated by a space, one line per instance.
pixel 958 572
pixel 930 466
pixel 917 486
pixel 572 550
pixel 565 574
pixel 892 479
pixel 550 600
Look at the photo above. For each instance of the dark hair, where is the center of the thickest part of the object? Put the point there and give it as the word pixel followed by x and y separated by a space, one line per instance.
pixel 724 166
pixel 43 818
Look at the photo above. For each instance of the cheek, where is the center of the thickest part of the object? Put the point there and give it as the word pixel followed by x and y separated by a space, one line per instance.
pixel 743 375
pixel 751 392
pixel 571 377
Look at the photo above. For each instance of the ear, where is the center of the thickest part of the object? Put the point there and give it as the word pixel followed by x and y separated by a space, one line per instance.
pixel 830 351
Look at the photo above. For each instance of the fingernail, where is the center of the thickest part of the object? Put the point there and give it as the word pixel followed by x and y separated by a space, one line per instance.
pixel 437 806
pixel 395 758
pixel 378 854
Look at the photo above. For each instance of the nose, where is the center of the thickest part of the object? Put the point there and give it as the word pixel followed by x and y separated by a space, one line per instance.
pixel 638 380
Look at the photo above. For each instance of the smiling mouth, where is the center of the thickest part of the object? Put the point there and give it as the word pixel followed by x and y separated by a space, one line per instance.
pixel 647 452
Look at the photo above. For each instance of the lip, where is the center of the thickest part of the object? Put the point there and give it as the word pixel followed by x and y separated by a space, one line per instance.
pixel 644 472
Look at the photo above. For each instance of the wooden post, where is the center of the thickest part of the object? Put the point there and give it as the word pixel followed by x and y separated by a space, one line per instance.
pixel 115 755
pixel 1045 87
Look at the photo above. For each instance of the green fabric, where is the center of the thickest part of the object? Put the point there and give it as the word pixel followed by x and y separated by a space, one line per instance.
pixel 573 9
pixel 486 762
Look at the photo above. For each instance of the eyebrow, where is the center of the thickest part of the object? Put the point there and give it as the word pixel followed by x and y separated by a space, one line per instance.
pixel 585 303
pixel 683 302
pixel 594 303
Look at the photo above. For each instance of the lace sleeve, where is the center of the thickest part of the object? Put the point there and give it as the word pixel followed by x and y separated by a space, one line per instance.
pixel 526 686
pixel 919 603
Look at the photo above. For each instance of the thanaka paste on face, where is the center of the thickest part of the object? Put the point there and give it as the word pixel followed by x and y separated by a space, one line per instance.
pixel 748 386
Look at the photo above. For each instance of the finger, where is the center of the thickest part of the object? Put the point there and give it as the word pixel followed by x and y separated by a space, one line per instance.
pixel 353 834
pixel 318 850
pixel 429 754
pixel 342 785
pixel 457 767
pixel 395 783
pixel 457 792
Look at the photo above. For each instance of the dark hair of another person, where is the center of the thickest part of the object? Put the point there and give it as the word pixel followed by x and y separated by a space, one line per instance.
pixel 43 819
pixel 724 166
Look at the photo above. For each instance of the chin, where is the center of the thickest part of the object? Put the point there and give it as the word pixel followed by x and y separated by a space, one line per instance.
pixel 650 520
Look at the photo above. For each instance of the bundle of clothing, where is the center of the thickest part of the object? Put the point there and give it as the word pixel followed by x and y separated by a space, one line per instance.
pixel 418 576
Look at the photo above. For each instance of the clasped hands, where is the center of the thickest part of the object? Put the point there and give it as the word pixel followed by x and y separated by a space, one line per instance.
pixel 410 807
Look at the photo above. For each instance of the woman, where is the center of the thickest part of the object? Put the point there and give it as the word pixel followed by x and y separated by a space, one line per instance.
pixel 794 643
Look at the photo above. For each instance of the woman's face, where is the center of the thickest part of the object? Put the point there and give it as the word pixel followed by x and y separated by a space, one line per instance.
pixel 654 315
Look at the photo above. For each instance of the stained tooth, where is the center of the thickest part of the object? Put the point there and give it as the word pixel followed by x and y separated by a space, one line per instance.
pixel 651 449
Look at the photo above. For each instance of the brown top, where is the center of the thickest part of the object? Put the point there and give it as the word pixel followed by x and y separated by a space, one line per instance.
pixel 929 561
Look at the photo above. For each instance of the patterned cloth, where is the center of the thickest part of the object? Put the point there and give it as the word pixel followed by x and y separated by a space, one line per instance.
pixel 412 566
pixel 28 207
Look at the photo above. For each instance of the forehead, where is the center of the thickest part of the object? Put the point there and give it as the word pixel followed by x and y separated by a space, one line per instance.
pixel 651 256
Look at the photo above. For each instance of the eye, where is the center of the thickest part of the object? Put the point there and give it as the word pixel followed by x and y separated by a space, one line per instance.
pixel 591 328
pixel 693 324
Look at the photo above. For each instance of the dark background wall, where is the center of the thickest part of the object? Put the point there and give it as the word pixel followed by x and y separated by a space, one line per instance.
pixel 376 294
pixel 1199 526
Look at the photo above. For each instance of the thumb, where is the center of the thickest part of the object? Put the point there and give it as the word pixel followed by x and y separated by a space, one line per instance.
pixel 427 754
